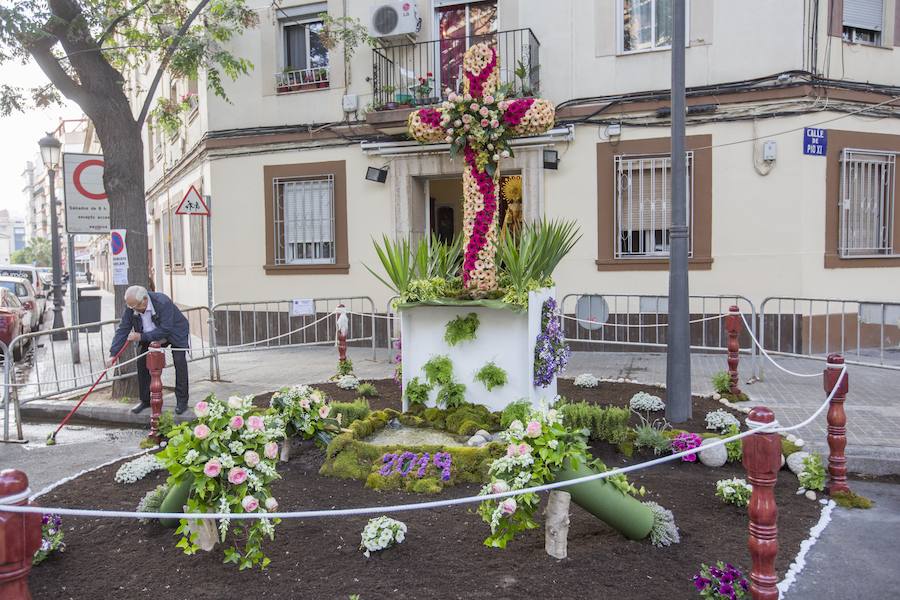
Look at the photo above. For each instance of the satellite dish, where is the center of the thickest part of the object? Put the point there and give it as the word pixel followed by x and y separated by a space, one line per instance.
pixel 591 311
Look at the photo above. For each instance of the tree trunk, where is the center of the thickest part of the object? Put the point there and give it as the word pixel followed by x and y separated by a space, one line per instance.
pixel 556 525
pixel 123 179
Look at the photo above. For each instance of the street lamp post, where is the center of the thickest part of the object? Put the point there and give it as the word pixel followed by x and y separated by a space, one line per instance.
pixel 50 155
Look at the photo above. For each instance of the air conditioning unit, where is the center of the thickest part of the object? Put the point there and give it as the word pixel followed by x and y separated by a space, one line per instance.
pixel 394 19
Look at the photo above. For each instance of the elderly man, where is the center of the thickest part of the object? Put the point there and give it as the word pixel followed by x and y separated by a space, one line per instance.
pixel 153 317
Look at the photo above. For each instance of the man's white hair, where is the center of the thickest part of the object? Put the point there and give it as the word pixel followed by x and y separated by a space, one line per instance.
pixel 137 292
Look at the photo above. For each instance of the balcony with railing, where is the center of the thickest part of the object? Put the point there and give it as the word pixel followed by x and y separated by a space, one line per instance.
pixel 421 73
pixel 301 80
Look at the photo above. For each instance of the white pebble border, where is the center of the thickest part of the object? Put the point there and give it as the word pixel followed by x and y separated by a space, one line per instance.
pixel 55 485
pixel 800 560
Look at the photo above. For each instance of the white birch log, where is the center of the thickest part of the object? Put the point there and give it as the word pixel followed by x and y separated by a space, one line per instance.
pixel 556 524
pixel 285 454
pixel 207 534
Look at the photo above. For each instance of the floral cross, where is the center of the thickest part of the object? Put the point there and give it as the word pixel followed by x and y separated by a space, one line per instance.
pixel 480 123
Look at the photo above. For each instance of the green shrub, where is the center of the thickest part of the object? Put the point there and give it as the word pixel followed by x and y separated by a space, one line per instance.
pixel 452 394
pixel 491 376
pixel 609 424
pixel 417 391
pixel 721 382
pixel 476 413
pixel 438 370
pixel 735 449
pixel 651 435
pixel 435 417
pixel 367 390
pixel 152 500
pixel 468 428
pixel 345 367
pixel 517 410
pixel 349 412
pixel 812 477
pixel 166 423
pixel 461 329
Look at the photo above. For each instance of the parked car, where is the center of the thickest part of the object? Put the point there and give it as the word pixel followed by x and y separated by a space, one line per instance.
pixel 32 274
pixel 24 291
pixel 12 320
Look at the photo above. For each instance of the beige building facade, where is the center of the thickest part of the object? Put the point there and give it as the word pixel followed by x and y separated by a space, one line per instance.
pixel 793 134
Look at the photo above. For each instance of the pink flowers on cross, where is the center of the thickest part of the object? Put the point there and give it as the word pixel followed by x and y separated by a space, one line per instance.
pixel 516 110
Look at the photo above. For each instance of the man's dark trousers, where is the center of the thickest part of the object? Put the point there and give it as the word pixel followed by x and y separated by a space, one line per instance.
pixel 179 357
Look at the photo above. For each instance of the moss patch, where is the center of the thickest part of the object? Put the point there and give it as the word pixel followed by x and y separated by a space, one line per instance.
pixel 350 411
pixel 851 500
pixel 788 447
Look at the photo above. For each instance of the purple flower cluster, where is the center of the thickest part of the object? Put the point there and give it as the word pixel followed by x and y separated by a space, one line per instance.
pixel 551 354
pixel 398 361
pixel 516 111
pixel 404 463
pixel 722 582
pixel 686 441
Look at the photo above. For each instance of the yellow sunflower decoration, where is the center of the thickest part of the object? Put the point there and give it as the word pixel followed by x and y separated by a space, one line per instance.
pixel 511 191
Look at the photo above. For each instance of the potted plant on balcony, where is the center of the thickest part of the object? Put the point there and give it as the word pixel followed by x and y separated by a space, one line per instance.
pixel 282 84
pixel 422 91
pixel 322 77
pixel 389 90
pixel 403 100
pixel 308 77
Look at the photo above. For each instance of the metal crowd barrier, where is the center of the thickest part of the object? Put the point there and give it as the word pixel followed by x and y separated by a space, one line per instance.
pixel 279 324
pixel 865 332
pixel 641 321
pixel 8 397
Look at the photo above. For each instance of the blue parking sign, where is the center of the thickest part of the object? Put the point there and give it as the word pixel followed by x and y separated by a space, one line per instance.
pixel 815 141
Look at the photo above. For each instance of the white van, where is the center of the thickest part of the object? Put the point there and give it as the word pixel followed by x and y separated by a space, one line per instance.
pixel 31 274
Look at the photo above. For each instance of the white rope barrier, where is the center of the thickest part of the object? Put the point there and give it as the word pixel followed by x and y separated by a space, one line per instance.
pixel 639 325
pixel 312 514
pixel 766 354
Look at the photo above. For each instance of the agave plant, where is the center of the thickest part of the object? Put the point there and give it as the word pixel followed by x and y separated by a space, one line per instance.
pixel 533 254
pixel 397 260
pixel 444 260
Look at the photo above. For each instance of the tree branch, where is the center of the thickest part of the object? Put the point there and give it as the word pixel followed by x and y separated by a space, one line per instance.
pixel 115 22
pixel 166 58
pixel 41 50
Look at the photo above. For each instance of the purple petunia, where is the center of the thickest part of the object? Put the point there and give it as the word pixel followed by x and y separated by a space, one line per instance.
pixel 551 354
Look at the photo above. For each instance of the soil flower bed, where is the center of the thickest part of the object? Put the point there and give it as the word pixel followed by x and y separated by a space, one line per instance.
pixel 443 555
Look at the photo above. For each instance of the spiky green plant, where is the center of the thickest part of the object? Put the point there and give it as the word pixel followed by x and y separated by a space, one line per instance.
pixel 397 260
pixel 533 254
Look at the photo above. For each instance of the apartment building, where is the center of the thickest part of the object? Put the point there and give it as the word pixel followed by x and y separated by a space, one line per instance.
pixel 793 135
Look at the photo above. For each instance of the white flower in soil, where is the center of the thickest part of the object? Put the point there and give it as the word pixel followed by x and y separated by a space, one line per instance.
pixel 720 420
pixel 644 402
pixel 586 380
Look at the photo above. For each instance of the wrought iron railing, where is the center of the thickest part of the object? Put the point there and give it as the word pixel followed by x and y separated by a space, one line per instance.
pixel 419 74
pixel 301 80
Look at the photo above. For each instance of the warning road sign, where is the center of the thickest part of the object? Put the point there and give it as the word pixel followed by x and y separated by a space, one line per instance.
pixel 192 204
pixel 87 207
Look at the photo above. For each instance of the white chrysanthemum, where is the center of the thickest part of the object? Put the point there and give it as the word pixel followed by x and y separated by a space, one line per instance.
pixel 644 402
pixel 586 380
pixel 138 468
pixel 720 420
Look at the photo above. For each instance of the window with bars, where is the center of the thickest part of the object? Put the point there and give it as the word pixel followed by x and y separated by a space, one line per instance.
pixel 863 21
pixel 304 220
pixel 198 241
pixel 643 204
pixel 867 203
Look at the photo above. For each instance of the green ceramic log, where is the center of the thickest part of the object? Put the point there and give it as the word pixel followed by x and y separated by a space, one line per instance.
pixel 620 511
pixel 176 499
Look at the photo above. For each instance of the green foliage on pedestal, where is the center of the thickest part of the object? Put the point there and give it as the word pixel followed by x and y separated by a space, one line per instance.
pixel 461 329
pixel 452 395
pixel 491 376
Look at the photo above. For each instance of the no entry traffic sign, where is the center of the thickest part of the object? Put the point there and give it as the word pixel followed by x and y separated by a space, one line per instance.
pixel 87 207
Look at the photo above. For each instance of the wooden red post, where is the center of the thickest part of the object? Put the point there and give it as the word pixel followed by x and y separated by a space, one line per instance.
pixel 20 537
pixel 837 425
pixel 762 460
pixel 156 360
pixel 733 327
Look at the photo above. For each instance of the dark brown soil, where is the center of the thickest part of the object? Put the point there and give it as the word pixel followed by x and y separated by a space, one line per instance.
pixel 442 557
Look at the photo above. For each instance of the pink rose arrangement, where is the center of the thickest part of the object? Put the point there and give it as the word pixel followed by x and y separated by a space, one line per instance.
pixel 241 446
pixel 305 410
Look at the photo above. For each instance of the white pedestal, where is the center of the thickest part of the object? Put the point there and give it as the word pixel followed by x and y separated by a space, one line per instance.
pixel 504 337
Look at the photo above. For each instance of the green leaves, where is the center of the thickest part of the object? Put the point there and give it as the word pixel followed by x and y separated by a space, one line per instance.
pixel 408 265
pixel 461 329
pixel 491 376
pixel 533 254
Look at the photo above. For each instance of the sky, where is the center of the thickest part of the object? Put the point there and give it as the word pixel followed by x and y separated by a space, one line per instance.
pixel 19 134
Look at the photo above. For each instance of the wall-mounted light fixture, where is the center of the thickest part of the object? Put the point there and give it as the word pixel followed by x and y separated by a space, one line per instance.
pixel 377 175
pixel 551 159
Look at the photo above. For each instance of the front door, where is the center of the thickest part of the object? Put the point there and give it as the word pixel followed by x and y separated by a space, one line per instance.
pixel 460 25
